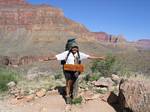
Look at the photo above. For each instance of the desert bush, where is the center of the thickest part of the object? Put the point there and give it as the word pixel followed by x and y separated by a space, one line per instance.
pixel 77 100
pixel 101 91
pixel 91 76
pixel 58 76
pixel 94 77
pixel 112 65
pixel 6 76
pixel 105 67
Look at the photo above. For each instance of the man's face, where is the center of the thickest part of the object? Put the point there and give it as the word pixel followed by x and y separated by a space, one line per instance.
pixel 74 50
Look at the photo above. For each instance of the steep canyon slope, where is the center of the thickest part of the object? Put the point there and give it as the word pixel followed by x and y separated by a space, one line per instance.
pixel 35 30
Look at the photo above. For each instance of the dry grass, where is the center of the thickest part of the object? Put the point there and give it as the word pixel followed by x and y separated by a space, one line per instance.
pixel 137 77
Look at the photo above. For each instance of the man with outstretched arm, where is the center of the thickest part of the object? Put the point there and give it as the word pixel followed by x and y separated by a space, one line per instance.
pixel 71 57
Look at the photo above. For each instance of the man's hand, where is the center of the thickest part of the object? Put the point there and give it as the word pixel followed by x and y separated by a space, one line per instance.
pixel 102 58
pixel 43 58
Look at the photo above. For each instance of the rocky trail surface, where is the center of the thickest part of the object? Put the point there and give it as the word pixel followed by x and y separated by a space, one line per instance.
pixel 53 102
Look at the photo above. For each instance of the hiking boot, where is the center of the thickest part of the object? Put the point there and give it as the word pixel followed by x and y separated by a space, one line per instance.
pixel 72 96
pixel 68 100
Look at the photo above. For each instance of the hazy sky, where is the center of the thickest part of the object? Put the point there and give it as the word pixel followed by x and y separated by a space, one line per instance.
pixel 130 18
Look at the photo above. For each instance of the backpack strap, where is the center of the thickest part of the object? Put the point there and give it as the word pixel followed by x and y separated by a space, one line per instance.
pixel 79 60
pixel 68 55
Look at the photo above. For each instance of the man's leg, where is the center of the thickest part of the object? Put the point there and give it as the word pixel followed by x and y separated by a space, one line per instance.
pixel 75 84
pixel 75 88
pixel 69 85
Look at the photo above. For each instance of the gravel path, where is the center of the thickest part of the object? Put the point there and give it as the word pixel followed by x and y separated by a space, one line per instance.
pixel 54 103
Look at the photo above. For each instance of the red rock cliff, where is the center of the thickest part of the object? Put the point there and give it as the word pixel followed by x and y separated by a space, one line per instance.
pixel 12 2
pixel 25 27
pixel 18 13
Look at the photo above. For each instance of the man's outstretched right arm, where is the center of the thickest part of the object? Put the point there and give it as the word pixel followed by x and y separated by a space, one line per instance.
pixel 60 56
pixel 47 58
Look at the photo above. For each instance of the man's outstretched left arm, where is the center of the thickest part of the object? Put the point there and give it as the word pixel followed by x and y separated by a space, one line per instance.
pixel 95 57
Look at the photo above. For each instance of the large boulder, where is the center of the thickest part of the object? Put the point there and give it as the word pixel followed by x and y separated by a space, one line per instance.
pixel 115 78
pixel 104 82
pixel 134 95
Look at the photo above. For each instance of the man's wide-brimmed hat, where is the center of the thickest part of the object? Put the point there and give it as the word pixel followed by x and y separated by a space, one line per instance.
pixel 74 45
pixel 71 43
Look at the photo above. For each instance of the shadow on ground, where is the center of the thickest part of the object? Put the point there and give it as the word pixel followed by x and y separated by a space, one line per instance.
pixel 62 92
pixel 117 104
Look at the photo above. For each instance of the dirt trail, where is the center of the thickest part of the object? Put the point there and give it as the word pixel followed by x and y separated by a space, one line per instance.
pixel 94 106
pixel 55 103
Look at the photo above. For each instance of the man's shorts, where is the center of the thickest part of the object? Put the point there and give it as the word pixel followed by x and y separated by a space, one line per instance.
pixel 71 75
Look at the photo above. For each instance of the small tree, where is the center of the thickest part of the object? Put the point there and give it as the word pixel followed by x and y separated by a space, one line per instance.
pixel 105 67
pixel 5 77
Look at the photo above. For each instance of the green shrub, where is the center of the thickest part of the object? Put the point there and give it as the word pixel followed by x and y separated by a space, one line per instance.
pixel 101 91
pixel 5 77
pixel 92 77
pixel 95 77
pixel 112 65
pixel 105 67
pixel 77 100
pixel 58 76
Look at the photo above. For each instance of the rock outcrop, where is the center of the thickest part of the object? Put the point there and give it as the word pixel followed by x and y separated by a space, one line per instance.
pixel 4 60
pixel 135 95
pixel 105 37
pixel 143 44
pixel 12 2
pixel 17 60
pixel 102 36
